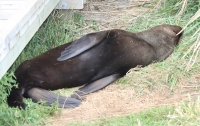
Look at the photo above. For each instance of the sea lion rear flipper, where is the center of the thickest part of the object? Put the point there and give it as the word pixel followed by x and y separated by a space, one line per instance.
pixel 95 86
pixel 82 44
pixel 15 99
pixel 38 94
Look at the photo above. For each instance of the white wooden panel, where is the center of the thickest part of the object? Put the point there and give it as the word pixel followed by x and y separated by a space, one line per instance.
pixel 10 7
pixel 14 40
pixel 19 20
pixel 5 14
pixel 23 29
pixel 17 30
pixel 11 2
pixel 70 4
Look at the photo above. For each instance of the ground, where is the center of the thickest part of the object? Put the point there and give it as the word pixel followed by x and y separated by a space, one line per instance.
pixel 119 99
pixel 142 91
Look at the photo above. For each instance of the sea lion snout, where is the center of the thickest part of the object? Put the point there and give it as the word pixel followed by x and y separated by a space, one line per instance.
pixel 173 30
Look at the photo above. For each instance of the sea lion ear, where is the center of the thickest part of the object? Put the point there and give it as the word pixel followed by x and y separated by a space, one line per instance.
pixel 84 43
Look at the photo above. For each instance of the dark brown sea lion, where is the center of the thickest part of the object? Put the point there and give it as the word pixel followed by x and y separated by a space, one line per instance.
pixel 95 60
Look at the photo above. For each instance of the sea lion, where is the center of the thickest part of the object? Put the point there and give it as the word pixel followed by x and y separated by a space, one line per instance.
pixel 94 61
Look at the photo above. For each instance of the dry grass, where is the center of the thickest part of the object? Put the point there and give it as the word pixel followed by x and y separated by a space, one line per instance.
pixel 112 14
pixel 117 100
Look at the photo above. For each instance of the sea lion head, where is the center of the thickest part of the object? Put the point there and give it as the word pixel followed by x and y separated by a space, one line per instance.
pixel 162 38
pixel 161 35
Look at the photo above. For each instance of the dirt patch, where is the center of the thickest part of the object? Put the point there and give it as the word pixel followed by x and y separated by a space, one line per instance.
pixel 122 99
pixel 109 14
pixel 117 100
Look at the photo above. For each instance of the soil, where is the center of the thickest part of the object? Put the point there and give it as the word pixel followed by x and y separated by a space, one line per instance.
pixel 119 99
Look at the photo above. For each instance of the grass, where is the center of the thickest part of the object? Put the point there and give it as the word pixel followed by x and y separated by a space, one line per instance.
pixel 32 115
pixel 56 31
pixel 184 114
pixel 144 118
pixel 174 67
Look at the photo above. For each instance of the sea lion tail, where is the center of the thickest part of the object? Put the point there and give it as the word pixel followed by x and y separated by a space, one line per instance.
pixel 38 94
pixel 15 99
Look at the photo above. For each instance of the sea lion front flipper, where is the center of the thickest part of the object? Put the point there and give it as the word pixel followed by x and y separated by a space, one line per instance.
pixel 38 94
pixel 95 86
pixel 84 43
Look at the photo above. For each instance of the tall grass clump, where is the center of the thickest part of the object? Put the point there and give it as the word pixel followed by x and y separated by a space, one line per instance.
pixel 175 12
